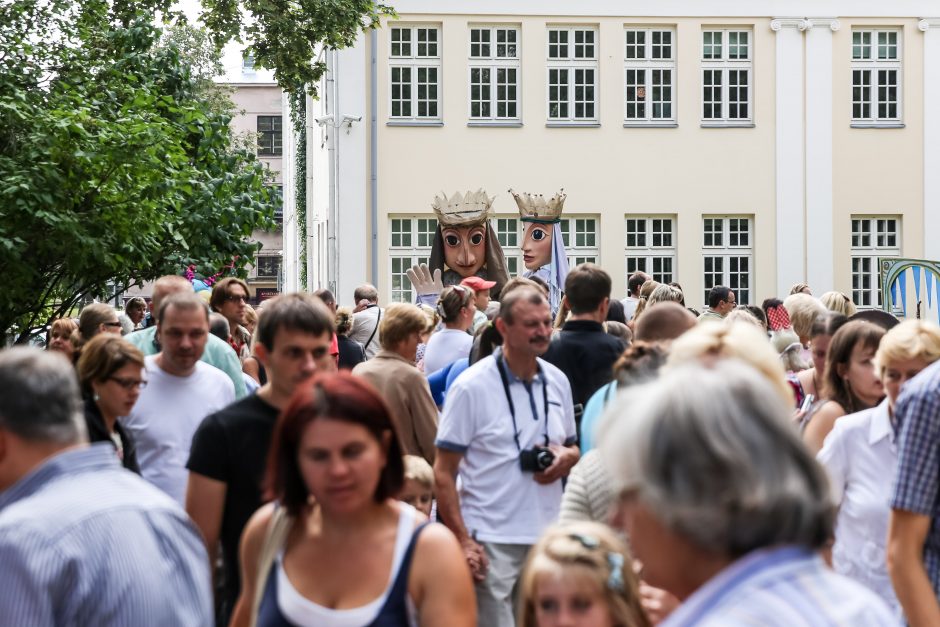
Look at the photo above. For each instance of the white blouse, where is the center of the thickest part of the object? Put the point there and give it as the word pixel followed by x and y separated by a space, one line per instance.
pixel 861 457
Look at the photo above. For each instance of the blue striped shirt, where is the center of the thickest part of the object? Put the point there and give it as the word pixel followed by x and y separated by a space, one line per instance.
pixel 782 587
pixel 85 542
pixel 917 483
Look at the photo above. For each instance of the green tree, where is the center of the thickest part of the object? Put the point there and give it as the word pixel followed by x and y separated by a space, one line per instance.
pixel 114 166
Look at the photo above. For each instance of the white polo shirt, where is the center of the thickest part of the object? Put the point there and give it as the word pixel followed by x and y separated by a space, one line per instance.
pixel 499 502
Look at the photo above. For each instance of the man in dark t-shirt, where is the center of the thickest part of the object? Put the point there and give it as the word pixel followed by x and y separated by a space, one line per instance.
pixel 230 449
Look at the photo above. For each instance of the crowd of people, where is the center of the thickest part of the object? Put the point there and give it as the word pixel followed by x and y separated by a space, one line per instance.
pixel 472 461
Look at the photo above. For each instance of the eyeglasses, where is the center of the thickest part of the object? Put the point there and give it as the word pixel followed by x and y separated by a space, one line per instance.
pixel 112 324
pixel 233 298
pixel 129 384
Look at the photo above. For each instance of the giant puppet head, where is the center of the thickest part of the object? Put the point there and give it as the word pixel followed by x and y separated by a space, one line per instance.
pixel 543 249
pixel 465 244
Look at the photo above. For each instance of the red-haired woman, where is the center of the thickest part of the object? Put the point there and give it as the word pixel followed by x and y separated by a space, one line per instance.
pixel 337 548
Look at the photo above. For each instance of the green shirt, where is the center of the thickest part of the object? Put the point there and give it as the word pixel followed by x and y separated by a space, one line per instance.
pixel 217 353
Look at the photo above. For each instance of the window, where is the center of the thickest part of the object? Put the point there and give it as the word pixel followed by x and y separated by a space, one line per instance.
pixel 494 73
pixel 268 266
pixel 876 76
pixel 415 67
pixel 248 62
pixel 410 240
pixel 572 74
pixel 726 76
pixel 580 238
pixel 872 237
pixel 728 255
pixel 651 247
pixel 509 236
pixel 269 136
pixel 277 200
pixel 649 66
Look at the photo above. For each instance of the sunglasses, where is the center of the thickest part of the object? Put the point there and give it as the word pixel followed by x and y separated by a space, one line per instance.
pixel 129 384
pixel 232 298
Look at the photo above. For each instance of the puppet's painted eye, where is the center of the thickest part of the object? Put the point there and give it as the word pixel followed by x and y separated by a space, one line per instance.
pixel 452 240
pixel 476 239
pixel 538 235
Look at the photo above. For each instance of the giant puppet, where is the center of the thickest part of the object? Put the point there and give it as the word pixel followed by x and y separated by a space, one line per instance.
pixel 543 248
pixel 464 245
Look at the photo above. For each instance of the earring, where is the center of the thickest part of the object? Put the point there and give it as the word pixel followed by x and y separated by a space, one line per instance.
pixel 95 397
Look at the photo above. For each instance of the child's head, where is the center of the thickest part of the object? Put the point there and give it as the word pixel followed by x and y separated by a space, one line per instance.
pixel 419 484
pixel 580 573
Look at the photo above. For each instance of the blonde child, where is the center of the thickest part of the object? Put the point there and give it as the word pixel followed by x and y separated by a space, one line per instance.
pixel 418 490
pixel 580 574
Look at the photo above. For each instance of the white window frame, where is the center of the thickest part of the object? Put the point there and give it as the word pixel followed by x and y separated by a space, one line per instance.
pixel 490 60
pixel 415 63
pixel 416 249
pixel 268 277
pixel 582 244
pixel 730 249
pixel 871 239
pixel 725 66
pixel 652 242
pixel 649 65
pixel 572 64
pixel 509 231
pixel 871 69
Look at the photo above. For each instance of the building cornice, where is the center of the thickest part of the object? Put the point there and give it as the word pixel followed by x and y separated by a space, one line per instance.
pixel 779 23
pixel 823 22
pixel 929 22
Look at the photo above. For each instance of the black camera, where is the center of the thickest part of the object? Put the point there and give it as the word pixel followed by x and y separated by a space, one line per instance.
pixel 536 459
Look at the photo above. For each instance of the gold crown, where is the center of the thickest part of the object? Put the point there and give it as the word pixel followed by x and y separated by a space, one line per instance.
pixel 534 208
pixel 463 209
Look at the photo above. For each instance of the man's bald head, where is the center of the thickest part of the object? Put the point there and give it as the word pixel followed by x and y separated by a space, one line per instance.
pixel 166 285
pixel 664 321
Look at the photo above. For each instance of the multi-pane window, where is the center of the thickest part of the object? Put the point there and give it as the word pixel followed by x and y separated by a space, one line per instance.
pixel 726 76
pixel 410 242
pixel 415 67
pixel 580 238
pixel 876 75
pixel 277 200
pixel 728 255
pixel 509 236
pixel 649 70
pixel 269 136
pixel 248 62
pixel 872 237
pixel 651 247
pixel 268 266
pixel 572 74
pixel 494 73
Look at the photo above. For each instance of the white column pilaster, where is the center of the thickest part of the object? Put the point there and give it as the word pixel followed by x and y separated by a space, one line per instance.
pixel 791 252
pixel 931 30
pixel 819 220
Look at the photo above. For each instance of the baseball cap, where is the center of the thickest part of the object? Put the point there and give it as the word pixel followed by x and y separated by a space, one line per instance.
pixel 476 283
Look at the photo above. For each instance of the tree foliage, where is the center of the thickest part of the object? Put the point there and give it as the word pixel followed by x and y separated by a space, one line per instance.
pixel 114 166
pixel 288 36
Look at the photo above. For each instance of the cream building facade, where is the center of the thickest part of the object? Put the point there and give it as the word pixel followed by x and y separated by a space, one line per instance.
pixel 747 148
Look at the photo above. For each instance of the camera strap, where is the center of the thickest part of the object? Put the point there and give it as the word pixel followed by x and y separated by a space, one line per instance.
pixel 501 366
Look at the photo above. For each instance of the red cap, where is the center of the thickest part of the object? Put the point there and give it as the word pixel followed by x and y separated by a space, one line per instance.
pixel 477 284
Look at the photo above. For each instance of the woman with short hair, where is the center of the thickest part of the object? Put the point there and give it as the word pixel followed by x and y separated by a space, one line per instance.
pixel 860 456
pixel 336 545
pixel 839 303
pixel 59 337
pixel 456 306
pixel 111 374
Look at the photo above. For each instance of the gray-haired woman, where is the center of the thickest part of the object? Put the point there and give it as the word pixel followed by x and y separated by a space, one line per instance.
pixel 724 506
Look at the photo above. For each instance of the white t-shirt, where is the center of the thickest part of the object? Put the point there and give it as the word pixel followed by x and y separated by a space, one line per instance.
pixel 166 416
pixel 629 307
pixel 499 502
pixel 364 323
pixel 445 347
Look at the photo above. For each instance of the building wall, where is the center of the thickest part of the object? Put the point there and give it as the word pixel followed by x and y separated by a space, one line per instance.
pixel 798 174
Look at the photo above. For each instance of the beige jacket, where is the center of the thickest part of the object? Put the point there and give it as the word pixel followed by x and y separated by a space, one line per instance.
pixel 408 396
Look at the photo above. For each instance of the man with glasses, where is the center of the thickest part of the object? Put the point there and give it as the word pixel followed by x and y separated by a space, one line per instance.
pixel 181 391
pixel 721 302
pixel 230 298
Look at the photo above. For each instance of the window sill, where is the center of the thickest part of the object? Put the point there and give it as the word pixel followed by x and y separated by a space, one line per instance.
pixel 495 124
pixel 877 125
pixel 572 125
pixel 415 123
pixel 728 125
pixel 650 125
